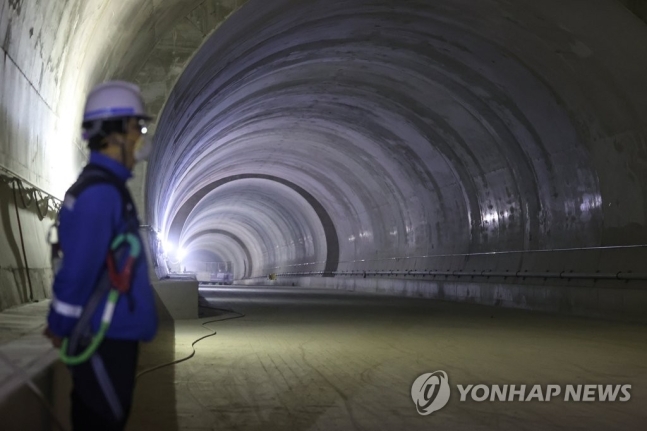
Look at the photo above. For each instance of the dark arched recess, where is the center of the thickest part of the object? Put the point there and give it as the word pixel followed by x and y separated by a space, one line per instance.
pixel 332 241
pixel 248 271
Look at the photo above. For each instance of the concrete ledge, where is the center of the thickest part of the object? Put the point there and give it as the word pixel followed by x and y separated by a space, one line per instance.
pixel 177 299
pixel 32 357
pixel 15 290
pixel 26 354
pixel 627 302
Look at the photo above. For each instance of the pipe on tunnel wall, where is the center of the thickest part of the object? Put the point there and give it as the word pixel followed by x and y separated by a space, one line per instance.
pixel 22 243
pixel 605 298
pixel 565 274
pixel 485 274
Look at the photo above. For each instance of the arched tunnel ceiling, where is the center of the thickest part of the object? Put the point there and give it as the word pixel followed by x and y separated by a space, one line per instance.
pixel 421 127
pixel 172 46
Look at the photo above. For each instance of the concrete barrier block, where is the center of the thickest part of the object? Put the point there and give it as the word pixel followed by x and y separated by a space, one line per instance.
pixel 178 297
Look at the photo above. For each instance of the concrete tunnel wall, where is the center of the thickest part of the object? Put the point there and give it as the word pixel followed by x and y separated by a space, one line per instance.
pixel 427 131
pixel 53 52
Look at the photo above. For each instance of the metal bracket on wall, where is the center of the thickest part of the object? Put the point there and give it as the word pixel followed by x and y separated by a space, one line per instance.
pixel 29 196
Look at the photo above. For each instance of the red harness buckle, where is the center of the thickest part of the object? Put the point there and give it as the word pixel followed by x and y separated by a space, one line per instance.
pixel 120 280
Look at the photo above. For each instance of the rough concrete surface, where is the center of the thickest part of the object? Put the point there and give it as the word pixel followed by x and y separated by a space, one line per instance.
pixel 319 359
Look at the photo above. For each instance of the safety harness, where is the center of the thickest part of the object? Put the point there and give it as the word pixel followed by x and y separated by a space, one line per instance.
pixel 82 345
pixel 119 284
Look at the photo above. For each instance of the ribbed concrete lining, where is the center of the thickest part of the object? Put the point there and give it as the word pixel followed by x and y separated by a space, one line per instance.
pixel 247 269
pixel 326 261
pixel 422 127
pixel 266 217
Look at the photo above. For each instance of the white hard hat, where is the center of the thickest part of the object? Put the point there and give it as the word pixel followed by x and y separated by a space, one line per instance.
pixel 114 99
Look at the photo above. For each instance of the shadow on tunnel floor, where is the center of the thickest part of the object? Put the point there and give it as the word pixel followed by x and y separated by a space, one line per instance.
pixel 154 405
pixel 155 400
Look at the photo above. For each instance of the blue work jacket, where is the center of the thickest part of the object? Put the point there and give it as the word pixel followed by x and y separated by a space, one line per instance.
pixel 88 224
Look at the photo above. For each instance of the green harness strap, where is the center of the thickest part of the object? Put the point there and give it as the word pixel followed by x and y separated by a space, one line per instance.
pixel 108 311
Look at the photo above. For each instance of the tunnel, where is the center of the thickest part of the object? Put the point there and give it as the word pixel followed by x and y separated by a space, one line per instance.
pixel 400 174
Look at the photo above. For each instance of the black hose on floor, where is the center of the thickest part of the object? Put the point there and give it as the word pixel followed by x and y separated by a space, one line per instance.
pixel 168 364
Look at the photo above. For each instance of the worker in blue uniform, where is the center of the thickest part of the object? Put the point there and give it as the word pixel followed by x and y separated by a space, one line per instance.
pixel 97 210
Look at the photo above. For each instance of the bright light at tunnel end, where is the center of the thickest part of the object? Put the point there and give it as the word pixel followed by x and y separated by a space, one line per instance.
pixel 170 250
pixel 181 253
pixel 168 247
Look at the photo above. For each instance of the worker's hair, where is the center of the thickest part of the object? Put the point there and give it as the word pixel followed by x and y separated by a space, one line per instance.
pixel 96 141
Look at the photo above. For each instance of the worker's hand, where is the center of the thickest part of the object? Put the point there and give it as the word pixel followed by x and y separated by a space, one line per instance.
pixel 55 339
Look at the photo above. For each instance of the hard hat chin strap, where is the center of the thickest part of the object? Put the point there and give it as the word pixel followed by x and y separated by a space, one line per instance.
pixel 93 131
pixel 117 139
pixel 121 143
pixel 122 147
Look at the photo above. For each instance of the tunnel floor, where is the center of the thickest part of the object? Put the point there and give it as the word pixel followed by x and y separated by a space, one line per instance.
pixel 305 359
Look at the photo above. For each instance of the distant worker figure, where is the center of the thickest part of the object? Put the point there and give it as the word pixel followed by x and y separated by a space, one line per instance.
pixel 103 302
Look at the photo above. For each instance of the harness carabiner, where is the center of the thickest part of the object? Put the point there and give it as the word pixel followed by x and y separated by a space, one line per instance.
pixel 121 280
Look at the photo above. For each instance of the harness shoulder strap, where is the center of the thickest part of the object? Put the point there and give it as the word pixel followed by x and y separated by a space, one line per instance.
pixel 94 174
